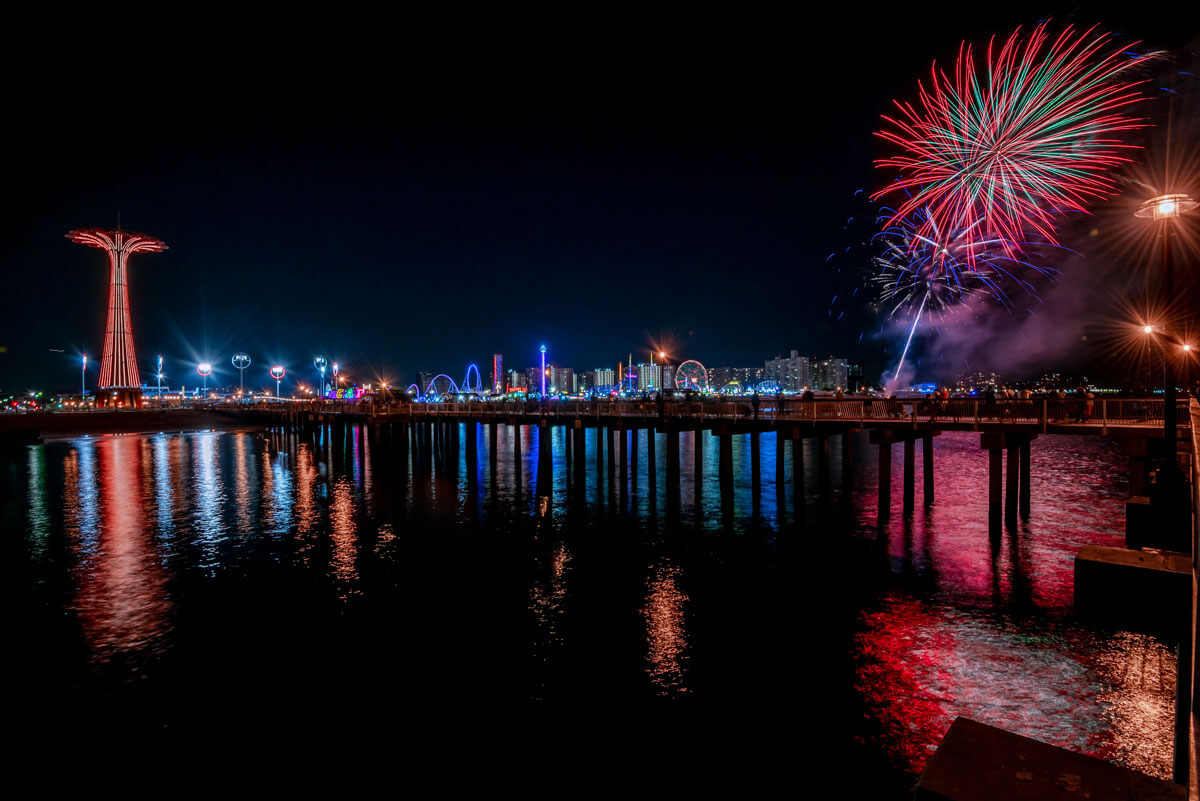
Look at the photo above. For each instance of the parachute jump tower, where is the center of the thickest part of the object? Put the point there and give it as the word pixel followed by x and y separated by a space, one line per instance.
pixel 119 384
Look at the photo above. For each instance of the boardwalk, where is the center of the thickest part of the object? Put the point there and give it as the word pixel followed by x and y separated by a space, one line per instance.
pixel 1139 416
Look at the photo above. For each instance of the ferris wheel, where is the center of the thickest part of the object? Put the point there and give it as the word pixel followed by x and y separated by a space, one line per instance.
pixel 691 375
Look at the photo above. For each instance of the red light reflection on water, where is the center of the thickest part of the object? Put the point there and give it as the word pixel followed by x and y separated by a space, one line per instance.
pixel 121 598
pixel 983 627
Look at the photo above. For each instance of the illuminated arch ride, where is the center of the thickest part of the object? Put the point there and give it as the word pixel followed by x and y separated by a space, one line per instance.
pixel 466 382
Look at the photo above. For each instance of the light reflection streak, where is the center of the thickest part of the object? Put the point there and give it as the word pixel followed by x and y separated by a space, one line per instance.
pixel 547 602
pixel 121 597
pixel 344 535
pixel 210 499
pixel 666 634
pixel 242 480
pixel 82 512
pixel 163 490
pixel 35 501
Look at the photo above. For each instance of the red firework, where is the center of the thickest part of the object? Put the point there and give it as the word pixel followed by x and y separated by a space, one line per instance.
pixel 997 150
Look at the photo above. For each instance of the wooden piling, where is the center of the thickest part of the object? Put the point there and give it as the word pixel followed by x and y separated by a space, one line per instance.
pixel 927 467
pixel 885 481
pixel 1012 489
pixel 910 491
pixel 1025 475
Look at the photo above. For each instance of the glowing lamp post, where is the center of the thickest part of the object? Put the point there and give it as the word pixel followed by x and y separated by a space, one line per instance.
pixel 160 377
pixel 205 370
pixel 1164 209
pixel 277 372
pixel 83 378
pixel 241 361
pixel 320 362
pixel 543 350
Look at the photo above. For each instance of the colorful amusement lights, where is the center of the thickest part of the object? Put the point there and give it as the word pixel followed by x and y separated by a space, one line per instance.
pixel 998 149
pixel 118 363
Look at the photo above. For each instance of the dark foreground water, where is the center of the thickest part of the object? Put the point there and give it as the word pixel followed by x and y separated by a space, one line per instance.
pixel 205 582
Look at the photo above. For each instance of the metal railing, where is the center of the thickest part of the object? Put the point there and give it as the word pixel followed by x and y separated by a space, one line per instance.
pixel 1043 412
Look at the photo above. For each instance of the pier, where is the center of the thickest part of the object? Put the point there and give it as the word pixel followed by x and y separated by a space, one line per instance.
pixel 1008 430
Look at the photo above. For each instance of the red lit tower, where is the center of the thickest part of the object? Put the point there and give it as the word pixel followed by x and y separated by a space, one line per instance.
pixel 119 384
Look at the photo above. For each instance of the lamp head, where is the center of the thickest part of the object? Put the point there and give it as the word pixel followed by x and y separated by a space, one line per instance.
pixel 1166 207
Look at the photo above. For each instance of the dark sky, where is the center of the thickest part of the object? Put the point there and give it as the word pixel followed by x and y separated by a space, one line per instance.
pixel 416 194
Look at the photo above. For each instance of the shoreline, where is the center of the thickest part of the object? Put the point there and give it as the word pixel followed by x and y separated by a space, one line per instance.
pixel 26 429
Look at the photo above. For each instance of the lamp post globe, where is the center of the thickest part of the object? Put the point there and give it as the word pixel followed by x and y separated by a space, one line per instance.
pixel 204 369
pixel 277 372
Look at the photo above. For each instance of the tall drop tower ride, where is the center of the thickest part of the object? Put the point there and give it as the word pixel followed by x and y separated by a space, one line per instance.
pixel 119 384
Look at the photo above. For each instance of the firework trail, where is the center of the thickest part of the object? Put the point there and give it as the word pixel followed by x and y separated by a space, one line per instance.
pixel 937 271
pixel 996 149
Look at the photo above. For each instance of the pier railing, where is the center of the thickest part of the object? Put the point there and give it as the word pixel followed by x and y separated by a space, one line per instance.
pixel 1043 412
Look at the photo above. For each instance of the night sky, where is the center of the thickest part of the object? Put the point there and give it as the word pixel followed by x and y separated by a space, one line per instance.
pixel 627 174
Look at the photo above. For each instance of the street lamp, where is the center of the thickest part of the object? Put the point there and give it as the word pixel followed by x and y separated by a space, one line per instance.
pixel 160 377
pixel 204 369
pixel 277 372
pixel 241 361
pixel 1164 209
pixel 543 350
pixel 83 379
pixel 319 362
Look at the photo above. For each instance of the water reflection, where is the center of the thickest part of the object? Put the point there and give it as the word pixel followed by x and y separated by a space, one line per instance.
pixel 543 569
pixel 121 599
pixel 666 632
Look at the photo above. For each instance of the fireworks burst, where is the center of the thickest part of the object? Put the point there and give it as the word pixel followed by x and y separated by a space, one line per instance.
pixel 935 271
pixel 996 150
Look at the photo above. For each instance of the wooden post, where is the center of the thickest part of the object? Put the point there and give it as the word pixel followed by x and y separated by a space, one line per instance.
pixel 672 464
pixel 623 450
pixel 927 466
pixel 755 467
pixel 847 460
pixel 910 491
pixel 779 458
pixel 599 452
pixel 995 462
pixel 633 456
pixel 823 465
pixel 797 472
pixel 651 459
pixel 612 457
pixel 725 458
pixel 1012 490
pixel 1025 475
pixel 472 455
pixel 885 481
pixel 580 457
